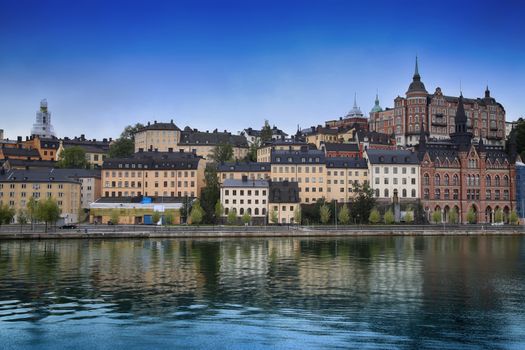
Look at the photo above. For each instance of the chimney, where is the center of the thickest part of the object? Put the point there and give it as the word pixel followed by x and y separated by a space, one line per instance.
pixel 155 122
pixel 171 121
pixel 1 134
pixel 148 124
pixel 19 139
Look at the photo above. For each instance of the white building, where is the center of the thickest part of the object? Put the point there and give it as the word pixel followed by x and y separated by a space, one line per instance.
pixel 245 196
pixel 393 172
pixel 42 127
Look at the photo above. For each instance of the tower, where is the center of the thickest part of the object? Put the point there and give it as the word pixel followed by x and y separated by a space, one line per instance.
pixel 42 127
pixel 461 136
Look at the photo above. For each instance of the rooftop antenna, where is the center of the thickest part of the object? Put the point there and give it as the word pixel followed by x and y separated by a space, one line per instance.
pixel 460 88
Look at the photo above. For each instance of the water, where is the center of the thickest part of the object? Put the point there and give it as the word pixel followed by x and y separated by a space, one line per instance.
pixel 360 293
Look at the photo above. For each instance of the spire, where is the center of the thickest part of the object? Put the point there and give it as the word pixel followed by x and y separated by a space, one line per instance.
pixel 355 112
pixel 377 107
pixel 417 85
pixel 355 100
pixel 487 92
pixel 416 72
pixel 481 145
pixel 461 136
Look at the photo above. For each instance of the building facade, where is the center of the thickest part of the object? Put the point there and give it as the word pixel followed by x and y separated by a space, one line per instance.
pixel 283 201
pixel 237 170
pixel 245 196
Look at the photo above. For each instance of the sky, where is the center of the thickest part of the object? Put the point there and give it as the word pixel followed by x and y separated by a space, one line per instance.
pixel 232 64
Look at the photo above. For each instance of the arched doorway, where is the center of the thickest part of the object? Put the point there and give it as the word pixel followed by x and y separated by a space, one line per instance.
pixel 488 215
pixel 458 215
pixel 474 209
pixel 446 212
pixel 506 214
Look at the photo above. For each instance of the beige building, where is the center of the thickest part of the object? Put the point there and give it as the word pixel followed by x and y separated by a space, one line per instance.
pixel 96 150
pixel 18 186
pixel 394 173
pixel 264 153
pixel 90 184
pixel 237 170
pixel 342 174
pixel 153 174
pixel 283 201
pixel 245 196
pixel 166 137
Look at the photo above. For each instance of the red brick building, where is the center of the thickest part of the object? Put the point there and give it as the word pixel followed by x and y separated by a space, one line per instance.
pixel 460 174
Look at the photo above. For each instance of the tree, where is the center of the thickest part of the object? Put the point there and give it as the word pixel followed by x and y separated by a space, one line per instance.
pixel 21 216
pixel 453 216
pixel 219 210
pixel 251 156
pixel 274 217
pixel 297 215
pixel 364 202
pixel 73 157
pixel 409 217
pixel 266 132
pixel 47 210
pixel 155 217
pixel 344 215
pixel 121 148
pixel 223 152
pixel 471 216
pixel 196 214
pixel 389 217
pixel 130 131
pixel 31 210
pixel 6 214
pixel 210 194
pixel 513 218
pixel 232 217
pixel 374 216
pixel 498 215
pixel 325 213
pixel 436 216
pixel 169 218
pixel 114 216
pixel 246 218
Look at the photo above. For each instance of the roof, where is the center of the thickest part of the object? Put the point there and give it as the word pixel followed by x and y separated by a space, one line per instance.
pixel 242 183
pixel 159 126
pixel 286 142
pixel 20 152
pixel 373 137
pixel 193 137
pixel 18 163
pixel 79 173
pixel 392 157
pixel 154 160
pixel 36 175
pixel 298 157
pixel 283 192
pixel 341 147
pixel 244 166
pixel 345 162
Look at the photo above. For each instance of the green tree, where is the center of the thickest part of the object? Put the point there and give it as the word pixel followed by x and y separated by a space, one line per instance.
pixel 31 210
pixel 73 157
pixel 219 210
pixel 210 194
pixel 453 216
pixel 389 217
pixel 409 217
pixel 196 214
pixel 21 216
pixel 121 148
pixel 513 218
pixel 325 213
pixel 251 156
pixel 130 131
pixel 471 216
pixel 297 215
pixel 155 217
pixel 274 217
pixel 223 152
pixel 6 214
pixel 169 218
pixel 436 216
pixel 232 217
pixel 344 215
pixel 374 216
pixel 266 132
pixel 114 216
pixel 48 211
pixel 246 218
pixel 498 215
pixel 364 202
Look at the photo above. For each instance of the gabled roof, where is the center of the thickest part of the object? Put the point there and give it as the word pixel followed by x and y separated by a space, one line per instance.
pixel 399 157
pixel 192 137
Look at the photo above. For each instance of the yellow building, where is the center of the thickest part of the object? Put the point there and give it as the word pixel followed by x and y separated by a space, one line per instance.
pixel 341 176
pixel 283 201
pixel 237 170
pixel 264 153
pixel 161 137
pixel 18 186
pixel 153 174
pixel 96 150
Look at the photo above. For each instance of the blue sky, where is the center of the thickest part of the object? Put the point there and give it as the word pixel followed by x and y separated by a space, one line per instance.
pixel 232 64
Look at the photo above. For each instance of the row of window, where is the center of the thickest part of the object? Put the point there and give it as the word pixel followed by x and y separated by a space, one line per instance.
pixel 307 169
pixel 34 194
pixel 241 192
pixel 395 181
pixel 156 193
pixel 185 173
pixel 241 201
pixel 472 194
pixel 472 180
pixel 386 170
pixel 34 186
pixel 138 184
pixel 256 211
pixel 404 193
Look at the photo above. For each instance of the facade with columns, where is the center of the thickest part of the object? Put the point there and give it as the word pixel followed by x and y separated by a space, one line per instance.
pixel 485 116
pixel 465 175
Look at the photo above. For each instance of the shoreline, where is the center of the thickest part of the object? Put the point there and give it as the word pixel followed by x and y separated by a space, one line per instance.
pixel 284 232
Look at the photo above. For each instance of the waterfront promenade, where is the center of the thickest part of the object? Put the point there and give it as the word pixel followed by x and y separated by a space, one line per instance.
pixel 220 231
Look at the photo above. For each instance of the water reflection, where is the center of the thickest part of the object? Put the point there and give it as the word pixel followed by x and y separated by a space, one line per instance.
pixel 384 292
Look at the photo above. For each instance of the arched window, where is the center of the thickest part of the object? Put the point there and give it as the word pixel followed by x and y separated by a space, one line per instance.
pixel 425 193
pixel 437 180
pixel 446 179
pixel 488 181
pixel 377 192
pixel 256 211
pixel 226 210
pixel 426 180
pixel 506 181
pixel 249 211
pixel 496 180
pixel 477 180
pixel 386 192
pixel 455 180
pixel 413 193
pixel 404 193
pixel 241 211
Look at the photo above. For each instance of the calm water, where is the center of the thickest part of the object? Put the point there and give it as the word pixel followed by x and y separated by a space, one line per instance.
pixel 362 293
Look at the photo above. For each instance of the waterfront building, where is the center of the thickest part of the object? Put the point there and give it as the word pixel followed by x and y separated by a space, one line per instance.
pixel 462 174
pixel 393 173
pixel 236 170
pixel 342 174
pixel 264 153
pixel 253 136
pixel 166 137
pixel 485 116
pixel 245 196
pixel 283 199
pixel 42 126
pixel 18 186
pixel 153 174
pixel 90 184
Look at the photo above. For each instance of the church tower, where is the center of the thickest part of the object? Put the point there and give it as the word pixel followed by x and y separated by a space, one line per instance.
pixel 42 127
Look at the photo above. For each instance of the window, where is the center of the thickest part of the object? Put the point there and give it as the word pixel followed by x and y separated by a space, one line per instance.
pixel 386 192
